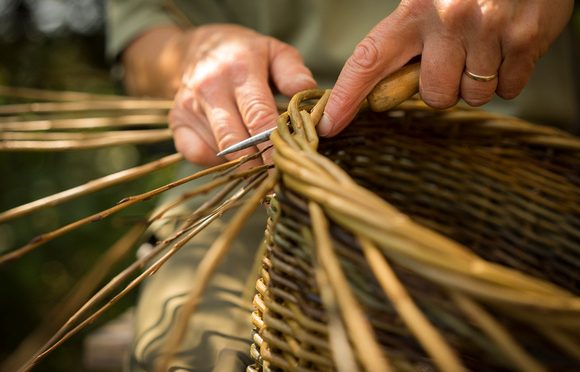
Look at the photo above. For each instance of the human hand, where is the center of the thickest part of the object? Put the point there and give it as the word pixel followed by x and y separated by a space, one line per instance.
pixel 225 95
pixel 485 37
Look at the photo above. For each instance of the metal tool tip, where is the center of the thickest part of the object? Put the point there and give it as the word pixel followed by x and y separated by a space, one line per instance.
pixel 223 152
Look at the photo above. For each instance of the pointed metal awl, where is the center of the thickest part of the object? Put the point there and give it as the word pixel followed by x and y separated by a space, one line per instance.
pixel 248 142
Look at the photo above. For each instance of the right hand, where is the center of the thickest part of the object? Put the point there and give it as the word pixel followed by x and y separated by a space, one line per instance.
pixel 225 94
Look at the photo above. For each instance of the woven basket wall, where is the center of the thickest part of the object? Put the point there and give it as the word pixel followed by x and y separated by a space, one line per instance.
pixel 501 194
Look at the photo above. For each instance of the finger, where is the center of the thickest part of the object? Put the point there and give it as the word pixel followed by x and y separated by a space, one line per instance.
pixel 287 69
pixel 442 65
pixel 187 111
pixel 226 124
pixel 188 141
pixel 514 74
pixel 387 47
pixel 193 148
pixel 484 59
pixel 256 104
pixel 522 45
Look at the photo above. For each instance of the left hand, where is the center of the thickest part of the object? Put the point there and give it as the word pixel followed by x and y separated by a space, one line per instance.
pixel 485 37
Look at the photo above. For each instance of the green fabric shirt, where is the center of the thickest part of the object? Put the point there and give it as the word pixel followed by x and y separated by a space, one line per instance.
pixel 324 31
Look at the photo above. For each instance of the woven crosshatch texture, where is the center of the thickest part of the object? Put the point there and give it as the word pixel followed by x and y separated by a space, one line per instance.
pixel 421 240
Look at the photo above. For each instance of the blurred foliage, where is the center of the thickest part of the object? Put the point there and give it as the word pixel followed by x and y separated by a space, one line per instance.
pixel 54 44
pixel 59 44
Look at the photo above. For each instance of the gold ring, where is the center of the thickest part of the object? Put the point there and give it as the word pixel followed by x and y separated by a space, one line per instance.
pixel 477 77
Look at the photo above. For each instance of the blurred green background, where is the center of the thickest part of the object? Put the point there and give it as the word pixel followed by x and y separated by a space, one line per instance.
pixel 59 44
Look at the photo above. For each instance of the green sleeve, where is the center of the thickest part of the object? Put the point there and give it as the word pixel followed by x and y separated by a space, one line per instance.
pixel 126 19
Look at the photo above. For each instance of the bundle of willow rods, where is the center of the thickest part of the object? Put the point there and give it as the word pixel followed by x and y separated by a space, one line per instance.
pixel 421 240
pixel 414 240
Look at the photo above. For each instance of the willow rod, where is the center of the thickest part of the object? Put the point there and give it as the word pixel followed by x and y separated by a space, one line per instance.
pixel 125 120
pixel 53 95
pixel 61 107
pixel 75 298
pixel 124 203
pixel 357 325
pixel 89 187
pixel 66 332
pixel 98 141
pixel 428 335
pixel 76 136
pixel 208 264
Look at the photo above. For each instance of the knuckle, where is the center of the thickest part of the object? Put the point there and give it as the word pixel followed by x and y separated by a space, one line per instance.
pixel 439 98
pixel 221 124
pixel 204 82
pixel 523 40
pixel 257 113
pixel 366 56
pixel 238 69
pixel 477 98
pixel 455 14
pixel 183 100
pixel 490 24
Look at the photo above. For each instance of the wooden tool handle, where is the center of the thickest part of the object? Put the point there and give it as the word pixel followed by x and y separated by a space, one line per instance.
pixel 395 89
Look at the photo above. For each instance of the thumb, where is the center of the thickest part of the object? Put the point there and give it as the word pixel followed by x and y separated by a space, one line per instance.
pixel 387 47
pixel 287 69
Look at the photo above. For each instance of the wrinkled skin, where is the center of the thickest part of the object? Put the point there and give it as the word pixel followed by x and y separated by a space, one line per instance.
pixel 222 73
pixel 485 37
pixel 225 96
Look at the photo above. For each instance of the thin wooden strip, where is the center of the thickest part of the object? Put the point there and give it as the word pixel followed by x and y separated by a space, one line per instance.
pixel 207 266
pixel 75 298
pixel 560 339
pixel 427 335
pixel 125 104
pixel 495 331
pixel 89 187
pixel 120 120
pixel 151 136
pixel 124 203
pixel 67 330
pixel 399 229
pixel 54 95
pixel 360 331
pixel 78 136
pixel 561 143
pixel 342 353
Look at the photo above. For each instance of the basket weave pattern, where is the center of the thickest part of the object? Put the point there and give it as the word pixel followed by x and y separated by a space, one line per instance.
pixel 476 221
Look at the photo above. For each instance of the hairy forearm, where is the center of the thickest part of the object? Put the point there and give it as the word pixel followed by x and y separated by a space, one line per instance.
pixel 154 63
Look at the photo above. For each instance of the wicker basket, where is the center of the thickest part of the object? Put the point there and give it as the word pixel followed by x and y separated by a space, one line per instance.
pixel 421 240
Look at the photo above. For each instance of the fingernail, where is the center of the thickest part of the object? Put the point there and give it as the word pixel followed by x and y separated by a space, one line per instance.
pixel 324 125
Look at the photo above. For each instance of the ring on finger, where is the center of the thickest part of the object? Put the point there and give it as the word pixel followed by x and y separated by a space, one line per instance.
pixel 478 77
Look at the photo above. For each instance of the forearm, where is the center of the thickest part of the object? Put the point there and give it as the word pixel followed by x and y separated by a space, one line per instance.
pixel 154 62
